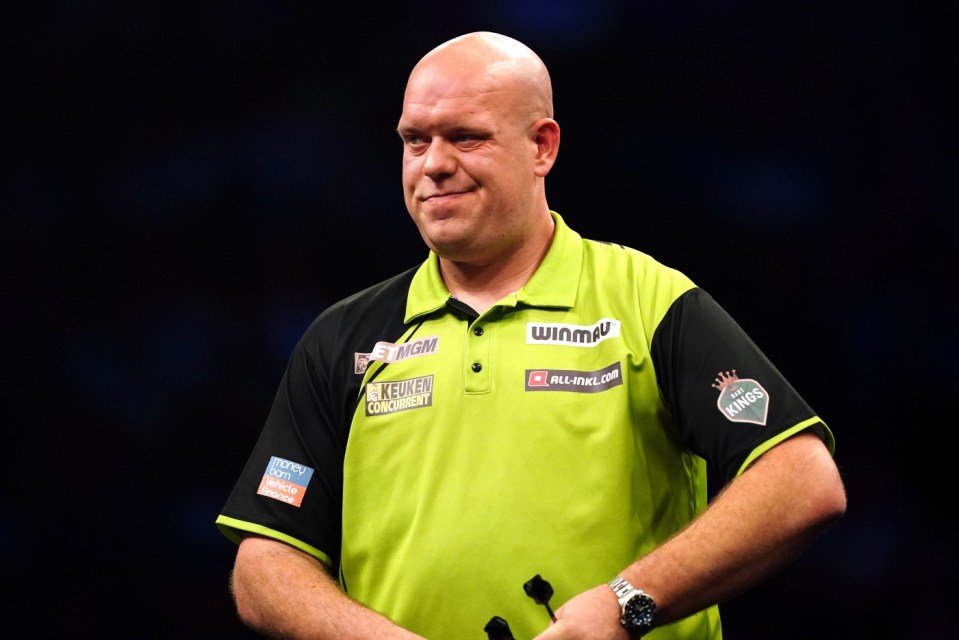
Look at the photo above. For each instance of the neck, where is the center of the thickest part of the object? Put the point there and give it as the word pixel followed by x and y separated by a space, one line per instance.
pixel 482 285
pixel 481 288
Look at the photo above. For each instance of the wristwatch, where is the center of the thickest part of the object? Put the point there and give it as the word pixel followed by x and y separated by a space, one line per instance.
pixel 638 610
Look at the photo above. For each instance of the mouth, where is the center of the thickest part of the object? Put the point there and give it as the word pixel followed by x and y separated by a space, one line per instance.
pixel 446 196
pixel 439 197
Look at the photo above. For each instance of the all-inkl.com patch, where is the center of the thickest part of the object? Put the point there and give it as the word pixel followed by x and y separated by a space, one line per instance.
pixel 285 480
pixel 576 381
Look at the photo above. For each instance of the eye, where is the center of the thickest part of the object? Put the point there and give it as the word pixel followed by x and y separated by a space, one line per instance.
pixel 467 139
pixel 415 141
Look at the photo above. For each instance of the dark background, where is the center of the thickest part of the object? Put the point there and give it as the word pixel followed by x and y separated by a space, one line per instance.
pixel 186 185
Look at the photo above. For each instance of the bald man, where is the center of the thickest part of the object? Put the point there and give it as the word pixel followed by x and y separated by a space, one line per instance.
pixel 524 403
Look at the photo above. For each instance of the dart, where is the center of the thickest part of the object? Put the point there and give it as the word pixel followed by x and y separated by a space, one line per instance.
pixel 498 629
pixel 540 591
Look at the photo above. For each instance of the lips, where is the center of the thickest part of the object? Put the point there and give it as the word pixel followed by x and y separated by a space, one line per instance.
pixel 447 194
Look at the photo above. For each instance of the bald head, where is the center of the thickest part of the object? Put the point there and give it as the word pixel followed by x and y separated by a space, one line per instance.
pixel 478 141
pixel 484 61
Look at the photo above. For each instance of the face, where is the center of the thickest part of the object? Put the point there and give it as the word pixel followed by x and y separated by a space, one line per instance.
pixel 469 177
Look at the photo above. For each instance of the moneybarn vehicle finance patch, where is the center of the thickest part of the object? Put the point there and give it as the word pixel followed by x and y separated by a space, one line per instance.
pixel 285 480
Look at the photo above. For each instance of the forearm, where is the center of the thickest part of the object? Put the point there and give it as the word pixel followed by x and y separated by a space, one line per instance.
pixel 758 525
pixel 285 593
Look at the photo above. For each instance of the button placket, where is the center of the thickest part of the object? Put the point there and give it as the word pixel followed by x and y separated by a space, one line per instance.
pixel 477 360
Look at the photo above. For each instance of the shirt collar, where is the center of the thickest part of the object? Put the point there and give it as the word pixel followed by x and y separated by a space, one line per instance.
pixel 554 284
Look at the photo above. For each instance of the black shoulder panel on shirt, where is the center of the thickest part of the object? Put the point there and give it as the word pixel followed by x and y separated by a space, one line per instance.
pixel 353 326
pixel 698 351
pixel 309 421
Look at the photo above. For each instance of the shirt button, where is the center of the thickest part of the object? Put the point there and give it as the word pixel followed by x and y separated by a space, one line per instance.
pixel 477 367
pixel 478 331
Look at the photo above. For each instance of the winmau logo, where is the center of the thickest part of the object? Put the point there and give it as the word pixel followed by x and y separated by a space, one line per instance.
pixel 572 335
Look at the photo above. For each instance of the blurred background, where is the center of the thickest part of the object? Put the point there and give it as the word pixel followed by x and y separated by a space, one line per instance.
pixel 185 185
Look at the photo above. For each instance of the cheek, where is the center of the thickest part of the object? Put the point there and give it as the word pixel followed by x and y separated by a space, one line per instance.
pixel 509 180
pixel 407 173
pixel 412 167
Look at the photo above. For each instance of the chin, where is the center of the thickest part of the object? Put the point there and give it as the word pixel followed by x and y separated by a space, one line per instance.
pixel 449 248
pixel 444 232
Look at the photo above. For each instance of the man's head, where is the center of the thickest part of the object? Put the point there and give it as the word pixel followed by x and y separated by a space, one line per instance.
pixel 478 141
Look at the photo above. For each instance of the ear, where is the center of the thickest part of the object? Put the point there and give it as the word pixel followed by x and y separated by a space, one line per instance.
pixel 545 135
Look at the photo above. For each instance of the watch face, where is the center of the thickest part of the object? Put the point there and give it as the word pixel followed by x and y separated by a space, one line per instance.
pixel 639 613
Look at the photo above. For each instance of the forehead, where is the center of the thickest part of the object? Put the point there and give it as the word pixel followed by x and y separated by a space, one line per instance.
pixel 441 98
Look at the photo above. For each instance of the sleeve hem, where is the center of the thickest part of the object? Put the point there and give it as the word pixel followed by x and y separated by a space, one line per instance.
pixel 233 529
pixel 823 431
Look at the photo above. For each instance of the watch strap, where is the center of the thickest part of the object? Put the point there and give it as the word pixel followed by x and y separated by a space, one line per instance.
pixel 622 589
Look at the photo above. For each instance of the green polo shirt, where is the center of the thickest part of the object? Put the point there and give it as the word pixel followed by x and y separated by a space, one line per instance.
pixel 439 459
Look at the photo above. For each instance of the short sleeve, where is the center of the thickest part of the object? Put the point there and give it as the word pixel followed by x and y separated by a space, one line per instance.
pixel 725 395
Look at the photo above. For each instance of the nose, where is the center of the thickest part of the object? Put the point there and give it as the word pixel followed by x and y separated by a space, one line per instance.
pixel 440 161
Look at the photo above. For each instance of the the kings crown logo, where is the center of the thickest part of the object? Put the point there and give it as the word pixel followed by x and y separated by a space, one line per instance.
pixel 741 399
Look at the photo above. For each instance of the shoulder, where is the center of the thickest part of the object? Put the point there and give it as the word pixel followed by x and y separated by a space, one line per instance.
pixel 637 274
pixel 390 291
pixel 383 303
pixel 625 256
